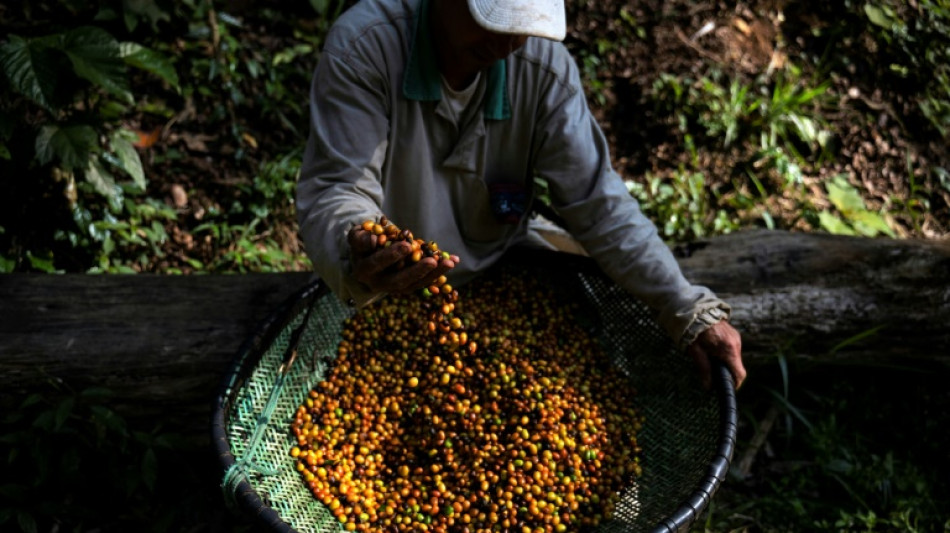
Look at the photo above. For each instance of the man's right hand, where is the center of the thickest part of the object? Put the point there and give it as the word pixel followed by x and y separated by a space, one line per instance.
pixel 379 268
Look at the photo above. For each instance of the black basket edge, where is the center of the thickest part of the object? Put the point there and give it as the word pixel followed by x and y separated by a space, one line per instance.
pixel 252 503
pixel 689 512
pixel 246 357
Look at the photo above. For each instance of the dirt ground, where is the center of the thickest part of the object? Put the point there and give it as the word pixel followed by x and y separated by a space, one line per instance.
pixel 881 138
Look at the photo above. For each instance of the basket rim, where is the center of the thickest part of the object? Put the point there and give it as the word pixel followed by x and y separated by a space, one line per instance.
pixel 251 503
pixel 247 498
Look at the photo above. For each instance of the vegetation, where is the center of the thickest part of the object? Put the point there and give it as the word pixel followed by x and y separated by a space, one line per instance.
pixel 816 455
pixel 166 137
pixel 103 120
pixel 71 461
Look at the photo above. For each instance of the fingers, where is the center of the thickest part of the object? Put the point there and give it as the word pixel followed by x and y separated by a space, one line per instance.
pixel 723 342
pixel 424 273
pixel 702 365
pixel 738 371
pixel 361 242
pixel 390 269
pixel 730 351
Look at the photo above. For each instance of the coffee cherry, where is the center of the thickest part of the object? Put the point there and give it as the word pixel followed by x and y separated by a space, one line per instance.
pixel 516 421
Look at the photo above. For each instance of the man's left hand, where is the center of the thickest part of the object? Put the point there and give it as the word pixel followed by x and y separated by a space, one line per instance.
pixel 723 342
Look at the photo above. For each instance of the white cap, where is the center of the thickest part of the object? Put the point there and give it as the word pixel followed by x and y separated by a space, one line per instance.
pixel 540 18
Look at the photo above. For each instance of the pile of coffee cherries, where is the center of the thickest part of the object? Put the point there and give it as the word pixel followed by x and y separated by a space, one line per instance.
pixel 440 297
pixel 518 422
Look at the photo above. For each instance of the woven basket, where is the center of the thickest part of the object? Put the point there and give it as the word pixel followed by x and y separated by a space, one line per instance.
pixel 687 437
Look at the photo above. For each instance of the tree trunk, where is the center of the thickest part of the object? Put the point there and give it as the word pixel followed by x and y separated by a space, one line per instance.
pixel 830 298
pixel 163 343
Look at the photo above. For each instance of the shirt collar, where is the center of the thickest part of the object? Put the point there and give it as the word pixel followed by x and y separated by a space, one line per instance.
pixel 422 81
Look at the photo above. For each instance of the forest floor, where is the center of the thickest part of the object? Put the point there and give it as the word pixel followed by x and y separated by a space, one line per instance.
pixel 877 138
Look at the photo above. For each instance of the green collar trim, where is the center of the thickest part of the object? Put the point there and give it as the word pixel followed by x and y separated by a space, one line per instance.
pixel 423 82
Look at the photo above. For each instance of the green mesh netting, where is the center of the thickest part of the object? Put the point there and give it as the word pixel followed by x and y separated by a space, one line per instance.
pixel 687 437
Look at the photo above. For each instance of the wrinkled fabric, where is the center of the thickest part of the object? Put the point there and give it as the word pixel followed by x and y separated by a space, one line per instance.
pixel 384 141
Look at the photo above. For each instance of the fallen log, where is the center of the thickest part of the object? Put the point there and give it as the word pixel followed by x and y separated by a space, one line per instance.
pixel 161 344
pixel 165 342
pixel 830 298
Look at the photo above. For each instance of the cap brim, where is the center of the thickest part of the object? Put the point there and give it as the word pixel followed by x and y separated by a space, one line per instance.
pixel 539 18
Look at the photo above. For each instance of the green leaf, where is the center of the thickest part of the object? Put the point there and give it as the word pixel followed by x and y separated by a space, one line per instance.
pixel 16 438
pixel 844 197
pixel 101 179
pixel 72 146
pixel 841 466
pixel 108 418
pixel 32 69
pixel 855 338
pixel 44 421
pixel 96 56
pixel 878 16
pixel 833 224
pixel 63 410
pixel 150 61
pixel 150 469
pixel 32 399
pixel 320 6
pixel 96 393
pixel 26 521
pixel 851 205
pixel 143 9
pixel 806 128
pixel 871 224
pixel 43 264
pixel 794 411
pixel 128 158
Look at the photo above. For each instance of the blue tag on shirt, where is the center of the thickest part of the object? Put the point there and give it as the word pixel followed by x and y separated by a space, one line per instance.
pixel 509 201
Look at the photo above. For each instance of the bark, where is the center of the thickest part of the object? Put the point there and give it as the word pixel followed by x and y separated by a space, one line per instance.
pixel 830 298
pixel 163 343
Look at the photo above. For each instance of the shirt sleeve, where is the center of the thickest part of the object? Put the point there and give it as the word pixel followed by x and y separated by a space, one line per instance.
pixel 339 183
pixel 573 157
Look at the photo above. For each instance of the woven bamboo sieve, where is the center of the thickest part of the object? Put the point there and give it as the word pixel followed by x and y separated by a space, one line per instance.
pixel 687 438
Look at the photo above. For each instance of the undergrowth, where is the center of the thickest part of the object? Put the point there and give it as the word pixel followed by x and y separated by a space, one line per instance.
pixel 863 453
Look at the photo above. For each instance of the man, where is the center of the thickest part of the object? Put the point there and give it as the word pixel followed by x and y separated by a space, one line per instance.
pixel 439 114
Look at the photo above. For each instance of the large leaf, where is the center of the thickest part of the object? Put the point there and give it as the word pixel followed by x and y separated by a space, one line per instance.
pixel 32 67
pixel 127 158
pixel 150 468
pixel 72 146
pixel 844 197
pixel 883 16
pixel 833 224
pixel 97 57
pixel 100 178
pixel 850 203
pixel 150 61
pixel 320 6
pixel 133 10
pixel 870 224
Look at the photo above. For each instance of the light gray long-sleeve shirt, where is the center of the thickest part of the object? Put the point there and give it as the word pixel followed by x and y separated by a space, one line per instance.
pixel 384 141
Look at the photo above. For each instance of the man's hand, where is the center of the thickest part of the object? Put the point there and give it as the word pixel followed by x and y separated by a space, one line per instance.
pixel 391 269
pixel 723 342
